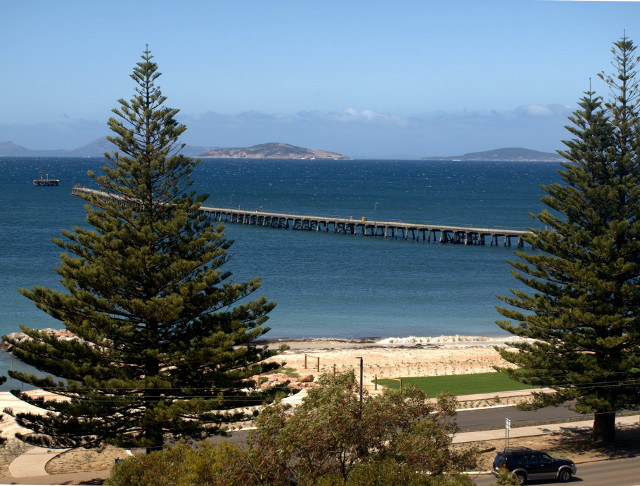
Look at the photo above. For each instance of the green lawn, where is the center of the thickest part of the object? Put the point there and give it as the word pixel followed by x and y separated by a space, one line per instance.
pixel 460 384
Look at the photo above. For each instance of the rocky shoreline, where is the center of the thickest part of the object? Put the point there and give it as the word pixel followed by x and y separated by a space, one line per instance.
pixel 21 336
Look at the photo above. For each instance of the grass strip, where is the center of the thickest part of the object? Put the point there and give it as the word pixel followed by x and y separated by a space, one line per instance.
pixel 460 384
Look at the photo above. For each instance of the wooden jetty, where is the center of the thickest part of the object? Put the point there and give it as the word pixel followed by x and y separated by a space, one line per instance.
pixel 348 226
pixel 45 182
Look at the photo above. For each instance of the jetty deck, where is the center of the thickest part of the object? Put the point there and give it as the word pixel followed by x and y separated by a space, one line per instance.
pixel 358 227
pixel 46 182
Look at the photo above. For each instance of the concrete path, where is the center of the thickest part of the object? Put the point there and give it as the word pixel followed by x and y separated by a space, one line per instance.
pixel 33 462
pixel 91 477
pixel 533 430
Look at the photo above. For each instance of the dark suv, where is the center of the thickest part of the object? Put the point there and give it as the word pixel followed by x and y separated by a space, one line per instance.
pixel 530 464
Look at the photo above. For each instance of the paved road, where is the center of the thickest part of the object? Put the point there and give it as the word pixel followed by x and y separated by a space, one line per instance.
pixel 619 472
pixel 494 417
pixel 488 418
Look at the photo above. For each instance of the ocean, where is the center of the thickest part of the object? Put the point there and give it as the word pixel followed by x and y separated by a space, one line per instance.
pixel 325 285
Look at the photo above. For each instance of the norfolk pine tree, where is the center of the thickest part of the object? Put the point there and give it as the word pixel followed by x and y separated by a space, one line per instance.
pixel 584 313
pixel 166 339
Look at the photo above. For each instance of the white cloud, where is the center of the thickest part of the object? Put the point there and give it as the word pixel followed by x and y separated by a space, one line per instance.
pixel 361 133
pixel 351 114
pixel 542 110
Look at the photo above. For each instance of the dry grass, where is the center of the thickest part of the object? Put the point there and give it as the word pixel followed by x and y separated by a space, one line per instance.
pixel 569 443
pixel 12 449
pixel 81 460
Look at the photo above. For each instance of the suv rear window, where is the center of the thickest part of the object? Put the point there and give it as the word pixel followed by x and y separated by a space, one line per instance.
pixel 499 460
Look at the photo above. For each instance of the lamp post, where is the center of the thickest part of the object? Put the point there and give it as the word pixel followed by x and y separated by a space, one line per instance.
pixel 361 373
pixel 507 429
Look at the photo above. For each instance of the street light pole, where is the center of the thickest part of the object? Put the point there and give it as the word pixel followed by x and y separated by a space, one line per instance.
pixel 361 373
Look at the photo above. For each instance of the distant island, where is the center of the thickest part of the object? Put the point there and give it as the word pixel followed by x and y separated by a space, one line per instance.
pixel 271 151
pixel 514 154
pixel 99 146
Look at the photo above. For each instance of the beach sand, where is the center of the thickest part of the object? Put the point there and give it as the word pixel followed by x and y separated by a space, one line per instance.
pixel 393 357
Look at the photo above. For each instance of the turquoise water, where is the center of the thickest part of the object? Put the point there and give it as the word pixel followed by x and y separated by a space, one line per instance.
pixel 326 285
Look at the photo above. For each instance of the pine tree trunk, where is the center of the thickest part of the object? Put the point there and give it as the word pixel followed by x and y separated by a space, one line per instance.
pixel 604 426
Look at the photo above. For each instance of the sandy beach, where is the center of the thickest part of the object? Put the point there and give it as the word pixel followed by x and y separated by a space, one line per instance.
pixel 393 357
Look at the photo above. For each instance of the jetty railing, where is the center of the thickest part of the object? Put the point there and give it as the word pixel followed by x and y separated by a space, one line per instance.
pixel 349 226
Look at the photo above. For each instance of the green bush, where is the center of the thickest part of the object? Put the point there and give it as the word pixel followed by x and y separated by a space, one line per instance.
pixel 389 472
pixel 163 468
pixel 506 478
pixel 331 432
pixel 181 465
pixel 386 473
pixel 331 439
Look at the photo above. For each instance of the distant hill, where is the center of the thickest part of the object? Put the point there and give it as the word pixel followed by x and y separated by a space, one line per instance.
pixel 96 148
pixel 271 151
pixel 10 149
pixel 99 146
pixel 514 154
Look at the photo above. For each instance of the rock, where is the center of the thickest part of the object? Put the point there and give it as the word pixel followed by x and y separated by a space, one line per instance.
pixel 306 379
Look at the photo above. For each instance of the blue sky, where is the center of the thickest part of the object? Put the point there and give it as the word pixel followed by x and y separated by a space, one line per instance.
pixel 367 78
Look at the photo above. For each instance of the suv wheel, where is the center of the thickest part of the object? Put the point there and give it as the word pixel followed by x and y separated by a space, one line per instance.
pixel 522 478
pixel 565 475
